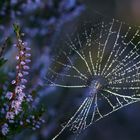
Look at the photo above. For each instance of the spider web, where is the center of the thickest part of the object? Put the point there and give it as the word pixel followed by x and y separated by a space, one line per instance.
pixel 108 50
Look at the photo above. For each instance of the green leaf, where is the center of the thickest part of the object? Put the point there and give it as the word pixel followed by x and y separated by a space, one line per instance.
pixel 8 41
pixel 2 61
pixel 16 29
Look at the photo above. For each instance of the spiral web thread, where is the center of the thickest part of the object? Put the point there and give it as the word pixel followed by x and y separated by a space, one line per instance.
pixel 110 49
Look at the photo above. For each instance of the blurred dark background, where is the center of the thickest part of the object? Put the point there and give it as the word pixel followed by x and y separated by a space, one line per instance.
pixel 45 24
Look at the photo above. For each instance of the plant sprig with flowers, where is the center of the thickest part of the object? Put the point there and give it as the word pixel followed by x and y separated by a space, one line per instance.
pixel 16 111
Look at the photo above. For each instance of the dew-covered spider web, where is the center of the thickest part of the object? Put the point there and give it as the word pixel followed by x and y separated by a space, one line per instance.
pixel 104 58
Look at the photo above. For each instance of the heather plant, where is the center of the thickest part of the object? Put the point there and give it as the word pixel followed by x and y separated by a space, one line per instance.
pixel 17 110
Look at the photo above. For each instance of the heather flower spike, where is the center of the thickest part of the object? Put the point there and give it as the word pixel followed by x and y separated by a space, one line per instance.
pixel 17 106
pixel 17 96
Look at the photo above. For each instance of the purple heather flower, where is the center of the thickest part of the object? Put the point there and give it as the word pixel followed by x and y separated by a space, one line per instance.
pixel 27 120
pixel 21 52
pixel 20 74
pixel 25 73
pixel 17 67
pixel 15 104
pixel 13 82
pixel 22 63
pixel 4 129
pixel 37 126
pixel 10 115
pixel 23 80
pixel 20 40
pixel 26 67
pixel 42 120
pixel 29 98
pixel 17 110
pixel 28 49
pixel 17 57
pixel 3 111
pixel 22 86
pixel 21 97
pixel 18 89
pixel 27 54
pixel 14 45
pixel 21 122
pixel 27 60
pixel 9 95
pixel 11 121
